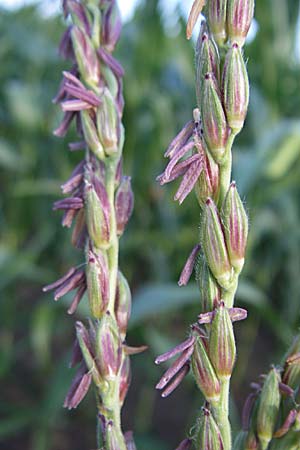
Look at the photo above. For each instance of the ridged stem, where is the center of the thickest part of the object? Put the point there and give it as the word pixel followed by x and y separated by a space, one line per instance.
pixel 221 411
pixel 110 408
pixel 113 252
pixel 225 170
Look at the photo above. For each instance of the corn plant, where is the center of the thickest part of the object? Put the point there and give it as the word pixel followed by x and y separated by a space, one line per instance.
pixel 202 155
pixel 99 203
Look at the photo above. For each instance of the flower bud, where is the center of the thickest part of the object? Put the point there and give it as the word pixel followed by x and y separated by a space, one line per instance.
pixel 207 59
pixel 235 88
pixel 125 377
pixel 235 223
pixel 204 373
pixel 123 204
pixel 97 212
pixel 217 20
pixel 86 56
pixel 97 283
pixel 208 433
pixel 268 408
pixel 107 123
pixel 91 135
pixel 215 128
pixel 108 347
pixel 209 289
pixel 222 350
pixel 239 17
pixel 214 247
pixel 122 304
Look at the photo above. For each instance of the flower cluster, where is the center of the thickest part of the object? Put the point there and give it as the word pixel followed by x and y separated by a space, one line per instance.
pixel 271 415
pixel 98 206
pixel 201 155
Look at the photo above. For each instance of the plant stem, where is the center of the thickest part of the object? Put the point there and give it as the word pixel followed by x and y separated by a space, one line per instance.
pixel 229 294
pixel 221 410
pixel 110 408
pixel 113 252
pixel 225 170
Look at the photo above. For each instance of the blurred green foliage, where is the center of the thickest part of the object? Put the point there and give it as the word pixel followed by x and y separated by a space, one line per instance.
pixel 35 333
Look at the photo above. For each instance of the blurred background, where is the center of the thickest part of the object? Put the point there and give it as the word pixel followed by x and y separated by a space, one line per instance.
pixel 36 334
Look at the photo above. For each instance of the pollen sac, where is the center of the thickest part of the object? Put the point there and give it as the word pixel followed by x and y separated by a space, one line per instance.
pixel 208 433
pixel 235 89
pixel 108 347
pixel 239 17
pixel 235 223
pixel 215 128
pixel 268 408
pixel 214 247
pixel 222 350
pixel 204 372
pixel 217 20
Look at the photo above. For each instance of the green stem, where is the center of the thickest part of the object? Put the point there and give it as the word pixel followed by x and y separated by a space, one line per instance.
pixel 229 294
pixel 225 170
pixel 221 411
pixel 113 251
pixel 110 408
